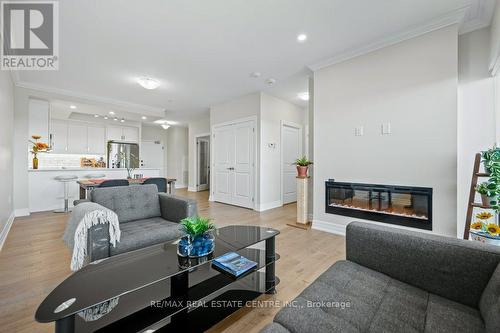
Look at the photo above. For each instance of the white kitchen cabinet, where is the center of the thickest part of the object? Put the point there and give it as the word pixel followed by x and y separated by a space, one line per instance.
pixel 123 133
pixel 59 131
pixel 77 138
pixel 96 140
pixel 115 133
pixel 131 134
pixel 39 119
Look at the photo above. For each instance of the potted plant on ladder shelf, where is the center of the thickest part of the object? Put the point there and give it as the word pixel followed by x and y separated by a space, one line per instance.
pixel 302 166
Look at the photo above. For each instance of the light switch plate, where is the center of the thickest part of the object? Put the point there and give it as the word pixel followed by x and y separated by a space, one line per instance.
pixel 386 128
pixel 359 131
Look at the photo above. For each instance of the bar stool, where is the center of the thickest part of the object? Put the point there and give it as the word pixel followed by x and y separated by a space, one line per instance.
pixel 65 179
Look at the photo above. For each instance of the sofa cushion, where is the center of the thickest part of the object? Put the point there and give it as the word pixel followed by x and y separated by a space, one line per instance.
pixel 351 298
pixel 130 203
pixel 490 303
pixel 274 328
pixel 147 232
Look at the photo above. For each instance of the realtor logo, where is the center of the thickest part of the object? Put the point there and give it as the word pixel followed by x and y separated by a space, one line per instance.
pixel 30 35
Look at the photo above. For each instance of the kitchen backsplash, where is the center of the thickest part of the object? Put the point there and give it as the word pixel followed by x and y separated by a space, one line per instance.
pixel 50 160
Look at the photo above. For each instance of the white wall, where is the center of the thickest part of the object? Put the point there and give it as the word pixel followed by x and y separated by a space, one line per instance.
pixel 274 110
pixel 6 146
pixel 476 111
pixel 413 85
pixel 196 127
pixel 156 133
pixel 494 57
pixel 177 155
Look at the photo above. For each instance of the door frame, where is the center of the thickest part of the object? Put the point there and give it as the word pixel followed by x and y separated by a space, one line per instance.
pixel 284 123
pixel 196 169
pixel 255 153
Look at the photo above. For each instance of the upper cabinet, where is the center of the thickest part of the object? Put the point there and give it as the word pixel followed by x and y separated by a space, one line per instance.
pixel 59 131
pixel 39 115
pixel 96 140
pixel 77 137
pixel 123 133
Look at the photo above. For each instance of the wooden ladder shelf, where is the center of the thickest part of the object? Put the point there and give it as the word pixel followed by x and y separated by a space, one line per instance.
pixel 476 174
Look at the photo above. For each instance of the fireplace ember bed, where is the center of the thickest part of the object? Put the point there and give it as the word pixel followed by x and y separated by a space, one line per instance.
pixel 401 205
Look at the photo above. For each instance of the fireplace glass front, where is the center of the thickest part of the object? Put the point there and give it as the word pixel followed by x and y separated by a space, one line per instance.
pixel 401 205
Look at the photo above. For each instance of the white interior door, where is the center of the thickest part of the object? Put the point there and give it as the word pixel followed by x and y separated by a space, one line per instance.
pixel 152 155
pixel 234 148
pixel 292 149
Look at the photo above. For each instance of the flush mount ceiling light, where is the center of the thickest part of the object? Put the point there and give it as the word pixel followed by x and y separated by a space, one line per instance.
pixel 171 122
pixel 111 113
pixel 72 107
pixel 303 96
pixel 271 81
pixel 301 38
pixel 144 118
pixel 160 121
pixel 165 126
pixel 148 83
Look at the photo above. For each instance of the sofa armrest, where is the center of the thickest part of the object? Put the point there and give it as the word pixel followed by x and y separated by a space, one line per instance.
pixel 79 201
pixel 175 208
pixel 98 242
pixel 452 268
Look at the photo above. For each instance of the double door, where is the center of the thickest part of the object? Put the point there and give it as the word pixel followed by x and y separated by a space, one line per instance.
pixel 234 164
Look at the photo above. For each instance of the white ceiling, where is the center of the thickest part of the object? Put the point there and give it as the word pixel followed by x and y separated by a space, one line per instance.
pixel 204 51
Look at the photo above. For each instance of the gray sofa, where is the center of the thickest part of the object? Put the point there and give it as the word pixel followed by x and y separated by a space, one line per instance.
pixel 146 218
pixel 400 281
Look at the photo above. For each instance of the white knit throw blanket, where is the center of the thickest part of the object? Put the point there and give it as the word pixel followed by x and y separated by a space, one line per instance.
pixel 93 214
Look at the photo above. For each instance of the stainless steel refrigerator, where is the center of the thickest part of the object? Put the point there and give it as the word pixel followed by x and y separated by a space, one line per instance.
pixel 123 155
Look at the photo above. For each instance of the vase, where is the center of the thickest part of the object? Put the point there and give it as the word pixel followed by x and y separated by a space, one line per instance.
pixel 302 171
pixel 486 200
pixel 35 162
pixel 198 246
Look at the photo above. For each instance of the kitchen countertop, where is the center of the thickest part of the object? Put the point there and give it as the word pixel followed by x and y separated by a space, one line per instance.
pixel 85 169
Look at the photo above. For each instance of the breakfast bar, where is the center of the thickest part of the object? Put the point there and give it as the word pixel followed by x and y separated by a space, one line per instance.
pixel 87 185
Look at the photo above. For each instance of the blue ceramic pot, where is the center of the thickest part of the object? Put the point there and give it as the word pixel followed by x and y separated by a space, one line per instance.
pixel 196 246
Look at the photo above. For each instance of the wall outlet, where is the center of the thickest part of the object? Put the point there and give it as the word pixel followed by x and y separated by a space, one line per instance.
pixel 359 131
pixel 386 128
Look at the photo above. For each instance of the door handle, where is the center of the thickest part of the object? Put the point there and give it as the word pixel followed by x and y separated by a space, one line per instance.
pixel 230 168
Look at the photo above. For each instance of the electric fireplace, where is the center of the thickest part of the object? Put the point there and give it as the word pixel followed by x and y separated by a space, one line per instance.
pixel 401 205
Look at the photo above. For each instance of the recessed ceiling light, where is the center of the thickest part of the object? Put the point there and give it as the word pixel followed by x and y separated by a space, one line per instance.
pixel 301 38
pixel 303 96
pixel 105 117
pixel 144 118
pixel 122 120
pixel 165 126
pixel 255 74
pixel 72 107
pixel 111 113
pixel 96 116
pixel 115 119
pixel 148 83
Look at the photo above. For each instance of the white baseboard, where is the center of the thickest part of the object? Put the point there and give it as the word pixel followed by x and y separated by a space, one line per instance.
pixel 268 205
pixel 192 189
pixel 310 217
pixel 6 229
pixel 22 212
pixel 180 185
pixel 330 227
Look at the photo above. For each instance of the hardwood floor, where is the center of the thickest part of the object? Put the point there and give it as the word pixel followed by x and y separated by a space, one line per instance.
pixel 34 260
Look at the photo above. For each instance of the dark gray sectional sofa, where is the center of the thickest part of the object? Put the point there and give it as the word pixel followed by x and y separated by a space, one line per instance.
pixel 146 218
pixel 400 281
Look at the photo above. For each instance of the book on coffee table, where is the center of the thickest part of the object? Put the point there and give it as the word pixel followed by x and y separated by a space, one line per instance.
pixel 234 264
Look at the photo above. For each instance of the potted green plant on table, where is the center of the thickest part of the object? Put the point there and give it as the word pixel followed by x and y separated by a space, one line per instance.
pixel 199 239
pixel 302 166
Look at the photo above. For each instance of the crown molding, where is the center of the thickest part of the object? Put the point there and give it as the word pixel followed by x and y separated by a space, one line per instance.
pixel 126 106
pixel 478 17
pixel 454 17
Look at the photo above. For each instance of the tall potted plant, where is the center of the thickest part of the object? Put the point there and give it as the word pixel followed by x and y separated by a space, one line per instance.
pixel 302 166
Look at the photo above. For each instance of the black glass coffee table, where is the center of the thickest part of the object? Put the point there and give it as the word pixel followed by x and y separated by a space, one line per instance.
pixel 153 289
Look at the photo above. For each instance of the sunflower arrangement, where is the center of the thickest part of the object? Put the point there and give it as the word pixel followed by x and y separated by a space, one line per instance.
pixel 484 215
pixel 481 227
